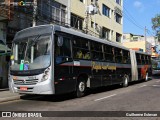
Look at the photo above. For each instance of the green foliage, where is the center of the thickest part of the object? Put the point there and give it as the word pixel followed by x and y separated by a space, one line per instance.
pixel 156 25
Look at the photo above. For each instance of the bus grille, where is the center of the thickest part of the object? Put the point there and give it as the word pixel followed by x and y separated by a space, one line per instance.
pixel 26 82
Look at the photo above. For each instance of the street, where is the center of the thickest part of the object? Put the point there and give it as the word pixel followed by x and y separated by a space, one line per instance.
pixel 141 96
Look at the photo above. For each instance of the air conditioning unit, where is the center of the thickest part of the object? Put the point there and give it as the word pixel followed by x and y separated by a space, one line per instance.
pixel 92 9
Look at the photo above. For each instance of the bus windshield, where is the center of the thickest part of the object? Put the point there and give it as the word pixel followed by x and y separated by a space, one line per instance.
pixel 31 53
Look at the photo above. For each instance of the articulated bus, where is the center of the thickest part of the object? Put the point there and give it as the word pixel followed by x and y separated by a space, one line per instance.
pixel 51 59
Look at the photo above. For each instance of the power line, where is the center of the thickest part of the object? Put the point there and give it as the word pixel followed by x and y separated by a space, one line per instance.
pixel 129 17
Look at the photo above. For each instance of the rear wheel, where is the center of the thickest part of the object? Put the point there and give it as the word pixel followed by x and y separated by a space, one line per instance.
pixel 125 81
pixel 81 87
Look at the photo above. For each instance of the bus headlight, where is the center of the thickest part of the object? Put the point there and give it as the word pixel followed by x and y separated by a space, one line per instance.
pixel 45 75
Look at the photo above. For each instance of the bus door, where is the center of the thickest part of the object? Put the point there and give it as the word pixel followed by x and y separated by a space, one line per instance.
pixel 63 65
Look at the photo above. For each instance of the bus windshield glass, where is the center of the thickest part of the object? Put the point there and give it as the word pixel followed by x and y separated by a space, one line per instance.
pixel 31 53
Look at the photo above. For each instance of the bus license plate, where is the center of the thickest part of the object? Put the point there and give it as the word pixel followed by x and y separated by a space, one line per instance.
pixel 23 88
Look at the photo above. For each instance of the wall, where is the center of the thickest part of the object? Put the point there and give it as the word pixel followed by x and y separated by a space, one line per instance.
pixel 79 8
pixel 3 30
pixel 139 44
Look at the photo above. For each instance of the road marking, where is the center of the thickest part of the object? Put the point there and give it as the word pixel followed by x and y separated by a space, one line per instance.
pixel 142 86
pixel 156 85
pixel 158 81
pixel 105 97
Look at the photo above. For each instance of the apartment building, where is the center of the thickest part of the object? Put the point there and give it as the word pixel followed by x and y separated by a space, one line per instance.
pixel 129 37
pixel 102 18
pixel 141 43
pixel 15 16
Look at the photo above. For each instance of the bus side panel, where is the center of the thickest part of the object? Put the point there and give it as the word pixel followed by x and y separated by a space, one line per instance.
pixel 121 71
pixel 64 82
pixel 96 80
pixel 106 77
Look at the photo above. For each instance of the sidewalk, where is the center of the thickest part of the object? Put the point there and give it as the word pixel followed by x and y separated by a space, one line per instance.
pixel 6 95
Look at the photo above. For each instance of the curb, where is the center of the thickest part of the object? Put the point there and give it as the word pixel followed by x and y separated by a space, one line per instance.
pixel 10 99
pixel 4 89
pixel 18 97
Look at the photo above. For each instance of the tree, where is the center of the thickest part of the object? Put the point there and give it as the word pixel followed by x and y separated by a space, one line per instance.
pixel 156 25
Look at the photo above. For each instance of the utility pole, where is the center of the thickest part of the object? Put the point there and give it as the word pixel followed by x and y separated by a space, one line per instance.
pixel 86 19
pixel 145 30
pixel 34 12
pixel 95 19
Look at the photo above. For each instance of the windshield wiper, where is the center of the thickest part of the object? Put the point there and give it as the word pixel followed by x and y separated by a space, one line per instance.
pixel 31 45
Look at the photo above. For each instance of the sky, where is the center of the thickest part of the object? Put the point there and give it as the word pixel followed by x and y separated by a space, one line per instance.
pixel 137 14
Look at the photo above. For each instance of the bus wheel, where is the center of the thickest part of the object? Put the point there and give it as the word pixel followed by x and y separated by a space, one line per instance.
pixel 146 78
pixel 125 81
pixel 81 87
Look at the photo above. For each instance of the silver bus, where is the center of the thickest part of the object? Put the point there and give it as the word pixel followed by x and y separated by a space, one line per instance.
pixel 52 59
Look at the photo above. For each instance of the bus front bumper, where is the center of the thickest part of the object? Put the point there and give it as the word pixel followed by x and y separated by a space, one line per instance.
pixel 43 88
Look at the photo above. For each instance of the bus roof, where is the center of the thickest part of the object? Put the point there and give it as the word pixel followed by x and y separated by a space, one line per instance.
pixel 81 34
pixel 49 28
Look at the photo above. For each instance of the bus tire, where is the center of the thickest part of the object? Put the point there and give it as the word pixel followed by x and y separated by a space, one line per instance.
pixel 81 87
pixel 146 78
pixel 125 81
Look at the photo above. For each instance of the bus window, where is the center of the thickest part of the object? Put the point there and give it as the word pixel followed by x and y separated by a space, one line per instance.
pixel 109 53
pixel 126 57
pixel 138 57
pixel 62 49
pixel 96 49
pixel 143 58
pixel 81 48
pixel 118 55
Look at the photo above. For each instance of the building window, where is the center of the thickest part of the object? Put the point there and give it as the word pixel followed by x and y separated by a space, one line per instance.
pixel 82 1
pixel 118 18
pixel 94 0
pixel 52 11
pixel 76 22
pixel 135 38
pixel 105 33
pixel 92 25
pixel 118 2
pixel 118 37
pixel 106 10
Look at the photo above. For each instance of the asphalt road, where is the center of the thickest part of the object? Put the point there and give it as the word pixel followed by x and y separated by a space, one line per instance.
pixel 141 96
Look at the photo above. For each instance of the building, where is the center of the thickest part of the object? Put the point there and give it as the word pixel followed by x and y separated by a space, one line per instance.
pixel 137 42
pixel 102 18
pixel 4 17
pixel 142 45
pixel 129 37
pixel 16 15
